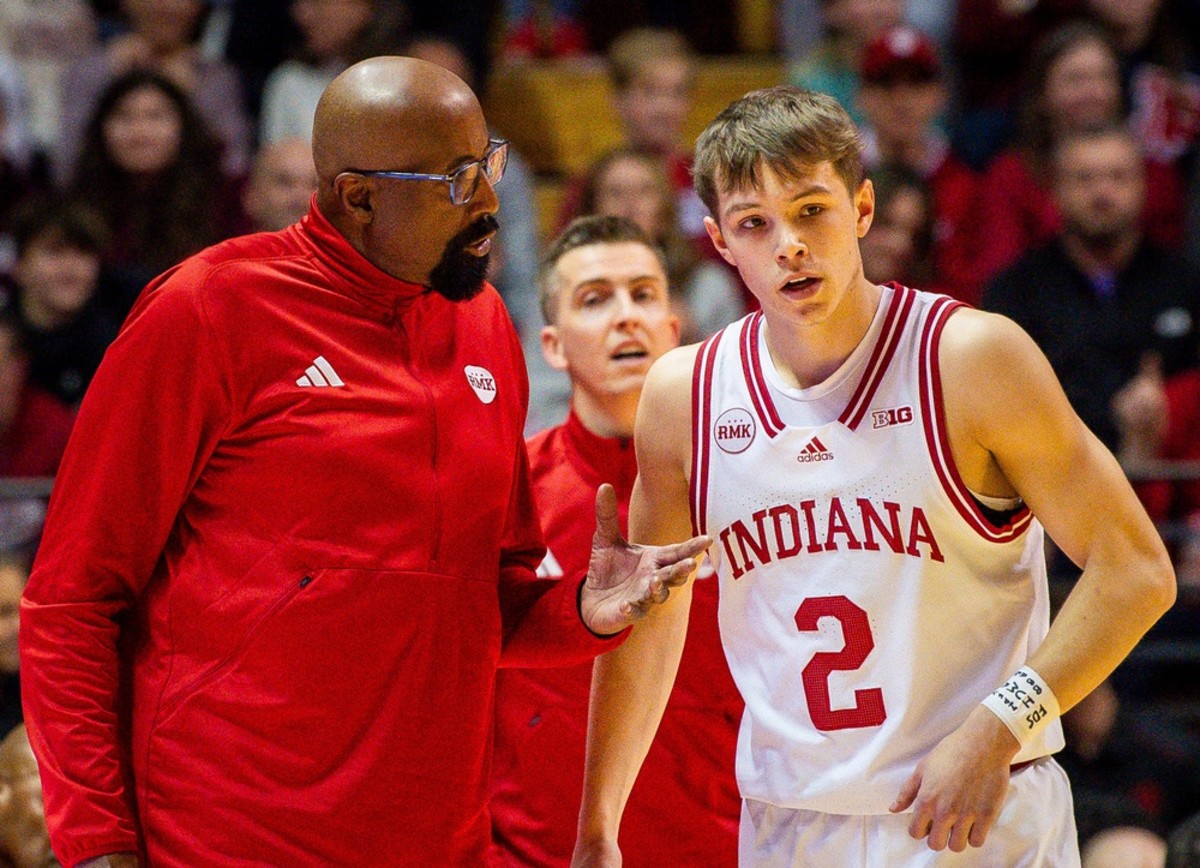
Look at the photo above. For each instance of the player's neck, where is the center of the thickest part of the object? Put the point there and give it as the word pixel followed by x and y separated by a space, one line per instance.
pixel 807 355
pixel 609 416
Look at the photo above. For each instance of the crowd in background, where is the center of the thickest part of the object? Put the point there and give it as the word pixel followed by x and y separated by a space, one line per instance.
pixel 1039 159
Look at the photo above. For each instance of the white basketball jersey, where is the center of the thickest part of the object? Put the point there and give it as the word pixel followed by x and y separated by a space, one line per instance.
pixel 867 603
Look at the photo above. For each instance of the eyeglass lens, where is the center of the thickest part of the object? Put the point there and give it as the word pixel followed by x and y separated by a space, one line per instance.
pixel 466 179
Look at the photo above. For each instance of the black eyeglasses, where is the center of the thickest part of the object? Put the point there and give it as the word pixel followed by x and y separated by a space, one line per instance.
pixel 464 180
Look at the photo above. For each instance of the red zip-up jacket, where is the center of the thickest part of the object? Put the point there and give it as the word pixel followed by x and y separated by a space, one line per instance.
pixel 685 807
pixel 290 543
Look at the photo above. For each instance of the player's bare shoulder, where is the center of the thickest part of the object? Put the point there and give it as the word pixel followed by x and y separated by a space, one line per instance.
pixel 998 387
pixel 664 419
pixel 985 356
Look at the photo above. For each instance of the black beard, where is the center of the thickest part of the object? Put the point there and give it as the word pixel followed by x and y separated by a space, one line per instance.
pixel 459 275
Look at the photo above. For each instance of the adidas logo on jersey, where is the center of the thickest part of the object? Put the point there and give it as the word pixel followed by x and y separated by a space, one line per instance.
pixel 320 373
pixel 814 451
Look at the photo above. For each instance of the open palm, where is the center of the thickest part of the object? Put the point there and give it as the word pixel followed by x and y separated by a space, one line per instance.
pixel 625 580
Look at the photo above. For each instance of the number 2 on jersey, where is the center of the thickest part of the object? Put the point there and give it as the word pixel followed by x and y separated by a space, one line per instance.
pixel 868 708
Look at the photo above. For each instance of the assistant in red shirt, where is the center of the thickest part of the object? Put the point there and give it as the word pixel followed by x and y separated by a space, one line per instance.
pixel 604 295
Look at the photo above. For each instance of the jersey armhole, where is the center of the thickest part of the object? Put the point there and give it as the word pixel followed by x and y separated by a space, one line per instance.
pixel 702 377
pixel 992 525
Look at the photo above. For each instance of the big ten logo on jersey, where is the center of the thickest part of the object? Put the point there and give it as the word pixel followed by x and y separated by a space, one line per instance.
pixel 891 417
pixel 734 430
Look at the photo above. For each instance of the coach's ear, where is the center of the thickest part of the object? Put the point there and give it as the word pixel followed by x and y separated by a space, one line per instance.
pixel 718 240
pixel 552 348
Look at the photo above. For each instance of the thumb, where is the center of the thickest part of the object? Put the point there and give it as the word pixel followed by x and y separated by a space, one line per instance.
pixel 608 529
pixel 908 793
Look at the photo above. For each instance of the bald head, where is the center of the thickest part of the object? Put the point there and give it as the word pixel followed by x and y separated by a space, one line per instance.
pixel 389 113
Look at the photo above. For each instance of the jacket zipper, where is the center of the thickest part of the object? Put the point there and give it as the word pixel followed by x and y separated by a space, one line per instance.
pixel 435 538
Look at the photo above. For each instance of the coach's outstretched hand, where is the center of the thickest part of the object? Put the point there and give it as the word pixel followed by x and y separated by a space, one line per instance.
pixel 624 580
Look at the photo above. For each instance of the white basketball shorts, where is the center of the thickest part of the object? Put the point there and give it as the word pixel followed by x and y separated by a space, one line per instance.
pixel 1036 829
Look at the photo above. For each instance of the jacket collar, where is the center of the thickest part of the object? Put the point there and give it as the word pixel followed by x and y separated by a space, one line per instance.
pixel 349 271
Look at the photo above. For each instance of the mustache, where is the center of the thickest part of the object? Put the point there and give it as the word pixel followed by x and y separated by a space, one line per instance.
pixel 481 228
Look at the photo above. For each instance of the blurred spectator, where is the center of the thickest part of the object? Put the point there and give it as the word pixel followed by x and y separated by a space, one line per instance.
pixel 1074 84
pixel 542 28
pixel 282 181
pixel 833 66
pixel 897 246
pixel 631 183
pixel 1124 847
pixel 16 143
pixel 1099 296
pixel 16 185
pixel 334 34
pixel 710 27
pixel 162 39
pixel 1127 768
pixel 14 573
pixel 992 43
pixel 43 37
pixel 903 93
pixel 152 171
pixel 653 74
pixel 258 38
pixel 65 327
pixel 24 841
pixel 1159 419
pixel 515 253
pixel 1161 61
pixel 34 425
pixel 1192 233
pixel 1183 844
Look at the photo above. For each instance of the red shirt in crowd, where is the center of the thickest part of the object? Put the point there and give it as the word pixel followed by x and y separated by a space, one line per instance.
pixel 34 442
pixel 1017 211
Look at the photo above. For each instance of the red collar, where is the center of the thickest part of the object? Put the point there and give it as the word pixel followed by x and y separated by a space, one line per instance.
pixel 350 272
pixel 609 459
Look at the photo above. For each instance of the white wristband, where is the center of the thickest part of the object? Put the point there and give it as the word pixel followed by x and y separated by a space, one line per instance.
pixel 1024 703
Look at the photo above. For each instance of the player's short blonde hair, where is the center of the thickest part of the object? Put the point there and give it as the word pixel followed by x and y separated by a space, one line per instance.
pixel 786 128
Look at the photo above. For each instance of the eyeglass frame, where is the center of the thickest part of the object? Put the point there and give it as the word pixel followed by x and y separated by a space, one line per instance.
pixel 494 146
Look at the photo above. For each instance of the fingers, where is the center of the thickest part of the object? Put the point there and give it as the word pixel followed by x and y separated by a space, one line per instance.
pixel 608 529
pixel 674 575
pixel 939 831
pixel 684 550
pixel 948 830
pixel 979 831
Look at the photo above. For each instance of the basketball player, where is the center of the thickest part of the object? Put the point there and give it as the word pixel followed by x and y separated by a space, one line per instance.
pixel 870 460
pixel 605 300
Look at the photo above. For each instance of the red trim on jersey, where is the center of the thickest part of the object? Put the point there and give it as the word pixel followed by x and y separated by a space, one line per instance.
pixel 894 321
pixel 760 395
pixel 702 375
pixel 933 416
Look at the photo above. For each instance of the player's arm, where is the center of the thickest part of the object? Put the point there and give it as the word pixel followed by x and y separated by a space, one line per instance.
pixel 631 684
pixel 1010 421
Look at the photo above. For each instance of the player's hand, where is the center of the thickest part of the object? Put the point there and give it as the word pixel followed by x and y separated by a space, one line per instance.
pixel 957 791
pixel 624 580
pixel 596 854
